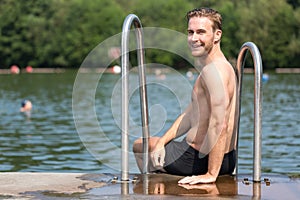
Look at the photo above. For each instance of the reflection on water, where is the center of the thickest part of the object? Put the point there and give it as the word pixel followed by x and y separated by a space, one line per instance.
pixel 168 185
pixel 48 141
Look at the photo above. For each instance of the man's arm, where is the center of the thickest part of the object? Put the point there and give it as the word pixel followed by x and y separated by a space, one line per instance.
pixel 178 128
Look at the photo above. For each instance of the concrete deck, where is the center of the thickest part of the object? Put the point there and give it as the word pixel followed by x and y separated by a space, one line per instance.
pixel 15 185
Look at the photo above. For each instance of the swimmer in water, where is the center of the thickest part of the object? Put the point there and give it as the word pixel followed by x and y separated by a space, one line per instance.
pixel 26 107
pixel 208 123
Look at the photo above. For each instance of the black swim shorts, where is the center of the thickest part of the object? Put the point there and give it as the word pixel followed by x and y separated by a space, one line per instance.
pixel 182 159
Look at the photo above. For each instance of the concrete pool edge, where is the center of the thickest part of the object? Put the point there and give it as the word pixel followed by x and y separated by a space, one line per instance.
pixel 28 185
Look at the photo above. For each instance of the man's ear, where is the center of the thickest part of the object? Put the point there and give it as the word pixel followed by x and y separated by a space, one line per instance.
pixel 218 35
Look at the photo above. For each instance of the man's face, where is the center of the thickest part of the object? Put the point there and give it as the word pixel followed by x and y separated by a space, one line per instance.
pixel 200 36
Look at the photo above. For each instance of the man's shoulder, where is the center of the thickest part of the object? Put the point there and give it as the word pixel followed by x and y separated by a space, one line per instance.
pixel 219 69
pixel 221 65
pixel 216 65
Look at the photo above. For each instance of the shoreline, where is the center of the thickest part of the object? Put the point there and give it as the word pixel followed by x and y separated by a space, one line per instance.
pixel 108 70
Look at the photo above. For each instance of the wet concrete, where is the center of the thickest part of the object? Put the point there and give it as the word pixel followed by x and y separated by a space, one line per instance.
pixel 152 186
pixel 17 184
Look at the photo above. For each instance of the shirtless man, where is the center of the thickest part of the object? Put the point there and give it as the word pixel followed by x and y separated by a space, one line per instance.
pixel 208 150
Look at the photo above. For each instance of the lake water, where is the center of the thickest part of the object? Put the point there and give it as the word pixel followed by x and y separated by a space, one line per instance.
pixel 50 140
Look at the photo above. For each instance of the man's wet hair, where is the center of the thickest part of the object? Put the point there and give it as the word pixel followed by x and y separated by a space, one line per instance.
pixel 210 13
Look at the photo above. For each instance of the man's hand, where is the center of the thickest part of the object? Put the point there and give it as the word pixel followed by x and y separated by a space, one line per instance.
pixel 158 155
pixel 206 178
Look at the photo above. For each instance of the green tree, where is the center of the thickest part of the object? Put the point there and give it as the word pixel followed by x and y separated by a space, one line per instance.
pixel 230 44
pixel 80 26
pixel 270 26
pixel 294 3
pixel 54 33
pixel 164 14
pixel 60 33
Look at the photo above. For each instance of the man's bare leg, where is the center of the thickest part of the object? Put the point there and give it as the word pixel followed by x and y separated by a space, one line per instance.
pixel 138 151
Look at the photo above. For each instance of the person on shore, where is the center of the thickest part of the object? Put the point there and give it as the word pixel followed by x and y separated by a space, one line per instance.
pixel 208 148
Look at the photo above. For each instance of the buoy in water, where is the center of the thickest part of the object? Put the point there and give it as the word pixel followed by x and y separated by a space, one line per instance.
pixel 116 69
pixel 190 75
pixel 29 69
pixel 14 69
pixel 265 77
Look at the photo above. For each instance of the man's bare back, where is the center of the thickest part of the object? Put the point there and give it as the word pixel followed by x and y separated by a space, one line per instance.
pixel 200 103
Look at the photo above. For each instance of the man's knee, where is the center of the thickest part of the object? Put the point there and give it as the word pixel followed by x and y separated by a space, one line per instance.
pixel 137 146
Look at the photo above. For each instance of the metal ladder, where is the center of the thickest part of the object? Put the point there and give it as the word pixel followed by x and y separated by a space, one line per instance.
pixel 256 57
pixel 133 19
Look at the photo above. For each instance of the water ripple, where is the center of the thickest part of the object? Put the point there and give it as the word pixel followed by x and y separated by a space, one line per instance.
pixel 48 141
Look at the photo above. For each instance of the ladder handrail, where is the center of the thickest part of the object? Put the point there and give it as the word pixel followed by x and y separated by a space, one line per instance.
pixel 257 101
pixel 133 19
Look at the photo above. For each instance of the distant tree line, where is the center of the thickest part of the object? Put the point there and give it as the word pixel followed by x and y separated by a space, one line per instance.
pixel 60 33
